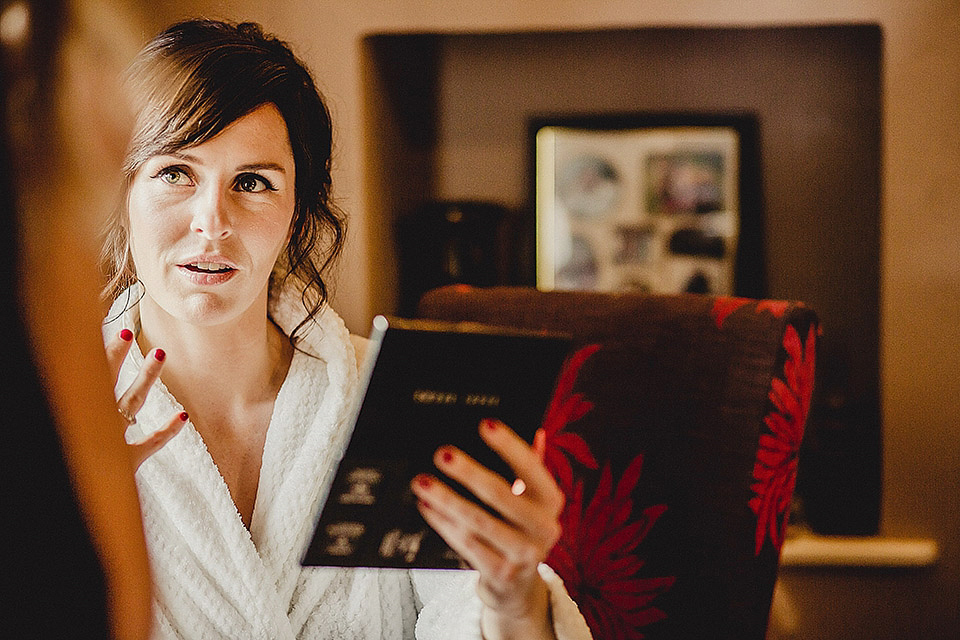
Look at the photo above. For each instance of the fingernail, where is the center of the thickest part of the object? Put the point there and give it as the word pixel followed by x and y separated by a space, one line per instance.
pixel 126 335
pixel 489 424
pixel 424 481
pixel 183 416
pixel 446 455
pixel 424 504
pixel 159 354
pixel 540 442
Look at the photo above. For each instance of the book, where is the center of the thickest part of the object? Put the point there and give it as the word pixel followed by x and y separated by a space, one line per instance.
pixel 427 384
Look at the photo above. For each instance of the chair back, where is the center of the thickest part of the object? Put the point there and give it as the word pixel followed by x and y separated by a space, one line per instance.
pixel 674 432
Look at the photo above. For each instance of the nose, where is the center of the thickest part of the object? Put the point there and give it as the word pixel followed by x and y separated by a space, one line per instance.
pixel 211 215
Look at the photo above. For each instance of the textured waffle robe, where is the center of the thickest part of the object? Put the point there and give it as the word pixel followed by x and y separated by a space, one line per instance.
pixel 214 578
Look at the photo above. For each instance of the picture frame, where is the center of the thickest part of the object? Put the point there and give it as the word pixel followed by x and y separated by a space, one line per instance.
pixel 660 203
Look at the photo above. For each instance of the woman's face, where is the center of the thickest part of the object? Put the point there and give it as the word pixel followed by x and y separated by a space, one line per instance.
pixel 207 223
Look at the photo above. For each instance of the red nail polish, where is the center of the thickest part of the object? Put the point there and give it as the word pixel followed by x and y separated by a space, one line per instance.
pixel 126 335
pixel 183 416
pixel 424 481
pixel 488 424
pixel 424 504
pixel 447 456
pixel 160 354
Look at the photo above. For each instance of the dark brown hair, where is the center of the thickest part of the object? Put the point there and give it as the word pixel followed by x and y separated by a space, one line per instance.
pixel 192 81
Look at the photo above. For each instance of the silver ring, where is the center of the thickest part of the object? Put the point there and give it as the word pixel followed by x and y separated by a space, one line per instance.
pixel 126 416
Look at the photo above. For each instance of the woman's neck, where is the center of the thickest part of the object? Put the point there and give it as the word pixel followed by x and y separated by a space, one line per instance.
pixel 231 365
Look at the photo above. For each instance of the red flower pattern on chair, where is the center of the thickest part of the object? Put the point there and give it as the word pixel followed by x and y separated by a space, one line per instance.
pixel 775 470
pixel 724 306
pixel 596 554
pixel 566 407
pixel 596 557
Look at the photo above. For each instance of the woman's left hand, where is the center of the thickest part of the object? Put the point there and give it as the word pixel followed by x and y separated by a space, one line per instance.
pixel 505 550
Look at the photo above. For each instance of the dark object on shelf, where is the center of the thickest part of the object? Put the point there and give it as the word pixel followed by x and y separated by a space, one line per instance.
pixel 453 242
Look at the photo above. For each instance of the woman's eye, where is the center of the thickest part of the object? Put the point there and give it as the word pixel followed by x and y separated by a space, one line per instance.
pixel 174 176
pixel 252 183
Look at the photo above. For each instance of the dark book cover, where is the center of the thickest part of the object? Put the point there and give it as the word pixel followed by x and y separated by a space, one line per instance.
pixel 429 384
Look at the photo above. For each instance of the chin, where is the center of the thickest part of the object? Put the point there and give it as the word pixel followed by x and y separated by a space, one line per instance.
pixel 205 309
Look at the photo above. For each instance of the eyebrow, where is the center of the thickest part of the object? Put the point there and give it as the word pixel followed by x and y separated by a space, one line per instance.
pixel 251 166
pixel 260 166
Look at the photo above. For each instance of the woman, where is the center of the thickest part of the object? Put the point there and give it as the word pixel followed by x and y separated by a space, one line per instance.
pixel 217 262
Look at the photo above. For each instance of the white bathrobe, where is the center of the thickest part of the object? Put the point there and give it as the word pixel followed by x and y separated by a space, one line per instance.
pixel 215 579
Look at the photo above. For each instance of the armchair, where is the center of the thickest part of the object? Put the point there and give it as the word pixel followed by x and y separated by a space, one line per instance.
pixel 674 432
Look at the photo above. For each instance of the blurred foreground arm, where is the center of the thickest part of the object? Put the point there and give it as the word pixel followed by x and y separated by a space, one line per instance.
pixel 67 164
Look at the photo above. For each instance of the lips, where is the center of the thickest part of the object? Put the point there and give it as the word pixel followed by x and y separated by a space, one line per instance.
pixel 208 267
pixel 207 270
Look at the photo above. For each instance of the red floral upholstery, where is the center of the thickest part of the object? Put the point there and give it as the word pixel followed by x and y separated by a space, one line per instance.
pixel 674 432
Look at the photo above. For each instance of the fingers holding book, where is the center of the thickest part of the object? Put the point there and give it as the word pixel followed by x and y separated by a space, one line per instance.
pixel 505 547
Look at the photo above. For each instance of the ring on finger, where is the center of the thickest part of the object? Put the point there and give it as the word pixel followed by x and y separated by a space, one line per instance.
pixel 126 416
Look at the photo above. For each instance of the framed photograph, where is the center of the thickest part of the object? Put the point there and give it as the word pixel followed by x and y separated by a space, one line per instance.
pixel 647 202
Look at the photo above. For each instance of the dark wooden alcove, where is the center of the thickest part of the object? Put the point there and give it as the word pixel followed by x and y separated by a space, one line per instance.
pixel 447 115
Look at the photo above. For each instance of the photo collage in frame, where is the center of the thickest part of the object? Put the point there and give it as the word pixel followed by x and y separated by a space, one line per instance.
pixel 645 209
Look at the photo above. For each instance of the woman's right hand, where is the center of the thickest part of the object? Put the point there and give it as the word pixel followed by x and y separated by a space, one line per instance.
pixel 129 404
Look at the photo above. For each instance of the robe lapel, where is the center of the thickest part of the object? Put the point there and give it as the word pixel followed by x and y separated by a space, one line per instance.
pixel 199 542
pixel 212 575
pixel 305 441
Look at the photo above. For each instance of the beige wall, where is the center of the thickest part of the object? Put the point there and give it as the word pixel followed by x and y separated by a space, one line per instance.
pixel 920 263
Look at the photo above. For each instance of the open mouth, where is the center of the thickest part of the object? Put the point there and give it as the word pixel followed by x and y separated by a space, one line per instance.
pixel 208 267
